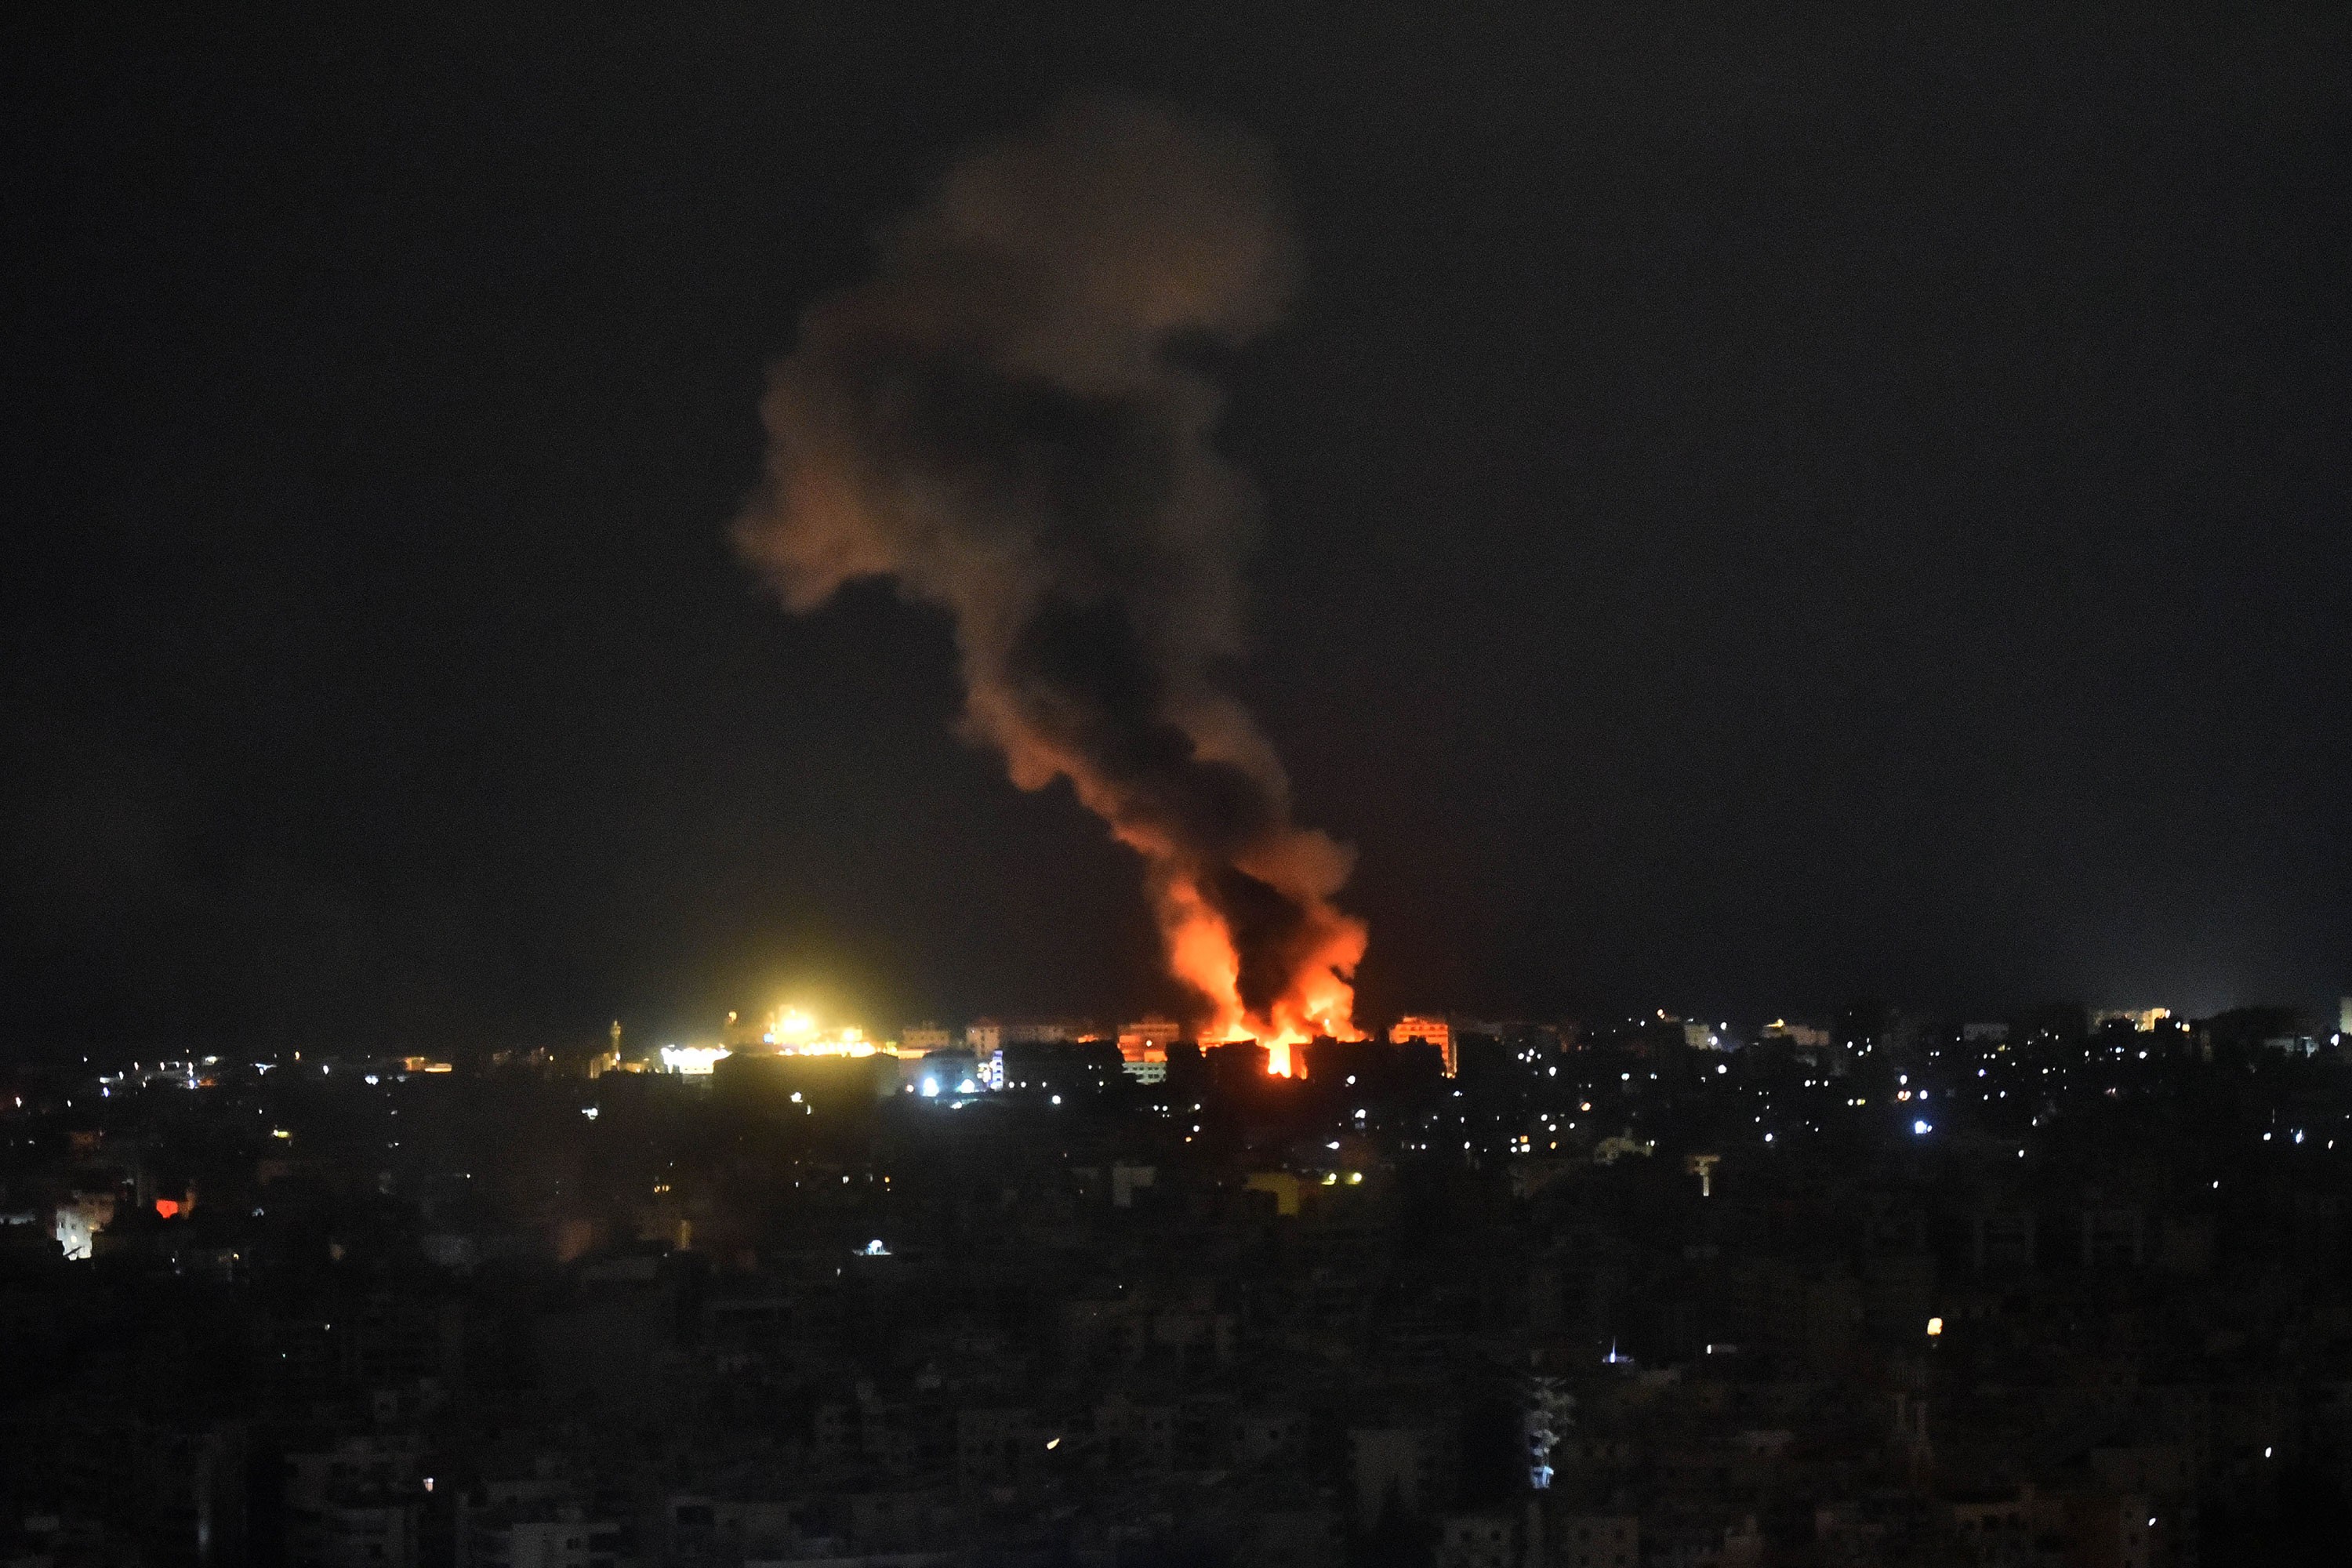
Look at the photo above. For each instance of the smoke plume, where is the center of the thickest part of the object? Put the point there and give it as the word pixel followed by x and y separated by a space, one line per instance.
pixel 1009 421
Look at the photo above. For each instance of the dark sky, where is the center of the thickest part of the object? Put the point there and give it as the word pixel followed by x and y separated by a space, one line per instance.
pixel 1756 512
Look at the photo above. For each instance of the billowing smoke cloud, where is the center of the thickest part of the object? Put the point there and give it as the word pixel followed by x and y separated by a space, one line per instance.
pixel 1009 421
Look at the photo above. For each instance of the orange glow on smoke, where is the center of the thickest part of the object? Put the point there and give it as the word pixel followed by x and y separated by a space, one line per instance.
pixel 1201 954
pixel 1320 1000
pixel 1302 864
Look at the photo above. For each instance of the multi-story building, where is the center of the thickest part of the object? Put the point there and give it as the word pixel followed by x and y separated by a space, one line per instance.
pixel 1409 1467
pixel 1595 1540
pixel 1430 1031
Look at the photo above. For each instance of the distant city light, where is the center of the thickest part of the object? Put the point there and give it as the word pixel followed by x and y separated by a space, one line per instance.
pixel 1935 1327
pixel 1922 1128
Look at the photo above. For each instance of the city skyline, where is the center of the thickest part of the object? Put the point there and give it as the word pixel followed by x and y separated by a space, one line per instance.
pixel 1888 1293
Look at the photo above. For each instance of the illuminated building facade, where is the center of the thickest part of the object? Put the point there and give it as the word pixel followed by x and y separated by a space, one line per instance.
pixel 2141 1020
pixel 915 1039
pixel 1434 1032
pixel 1043 1032
pixel 80 1219
pixel 1151 1031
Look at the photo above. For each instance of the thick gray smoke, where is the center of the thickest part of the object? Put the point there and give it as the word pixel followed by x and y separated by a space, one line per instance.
pixel 1006 422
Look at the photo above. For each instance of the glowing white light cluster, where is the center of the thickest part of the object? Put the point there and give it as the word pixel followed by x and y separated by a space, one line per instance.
pixel 795 1034
pixel 693 1061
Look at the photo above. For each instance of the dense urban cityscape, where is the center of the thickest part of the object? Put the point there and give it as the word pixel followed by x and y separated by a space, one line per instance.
pixel 1648 1292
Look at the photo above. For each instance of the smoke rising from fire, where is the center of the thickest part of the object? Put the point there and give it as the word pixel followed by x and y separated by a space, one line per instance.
pixel 1007 423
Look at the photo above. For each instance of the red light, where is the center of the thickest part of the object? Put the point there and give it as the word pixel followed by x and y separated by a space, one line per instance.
pixel 167 1207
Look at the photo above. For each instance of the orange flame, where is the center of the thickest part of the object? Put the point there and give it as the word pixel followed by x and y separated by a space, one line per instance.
pixel 1319 999
pixel 1304 865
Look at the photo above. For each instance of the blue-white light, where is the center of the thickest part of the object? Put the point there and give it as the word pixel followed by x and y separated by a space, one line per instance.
pixel 1923 1128
pixel 930 1088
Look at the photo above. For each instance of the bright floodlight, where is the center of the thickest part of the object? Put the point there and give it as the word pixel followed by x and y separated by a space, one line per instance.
pixel 1923 1127
pixel 1935 1327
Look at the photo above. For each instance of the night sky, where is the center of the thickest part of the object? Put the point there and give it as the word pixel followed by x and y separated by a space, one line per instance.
pixel 1756 512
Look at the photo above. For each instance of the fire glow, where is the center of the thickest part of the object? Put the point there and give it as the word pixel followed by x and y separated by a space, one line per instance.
pixel 996 422
pixel 1201 952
